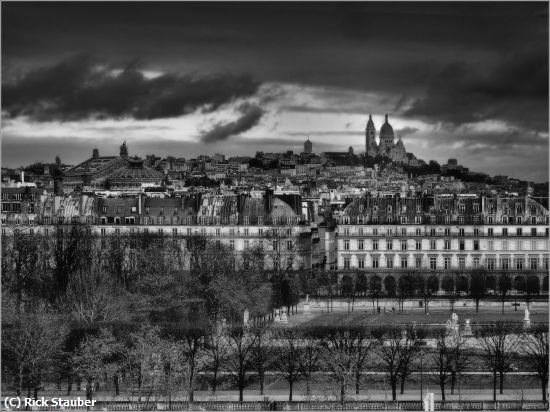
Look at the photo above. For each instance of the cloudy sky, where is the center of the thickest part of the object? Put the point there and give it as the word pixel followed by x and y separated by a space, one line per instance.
pixel 468 81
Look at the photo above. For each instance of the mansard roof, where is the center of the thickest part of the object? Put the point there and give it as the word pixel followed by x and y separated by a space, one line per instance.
pixel 426 209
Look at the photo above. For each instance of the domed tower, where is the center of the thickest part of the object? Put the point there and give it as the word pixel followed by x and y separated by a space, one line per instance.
pixel 371 147
pixel 386 137
pixel 124 150
pixel 308 146
pixel 95 153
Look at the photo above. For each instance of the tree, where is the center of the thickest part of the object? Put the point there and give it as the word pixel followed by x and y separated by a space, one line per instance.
pixel 262 352
pixel 217 349
pixel 535 346
pixel 405 289
pixel 425 285
pixel 241 342
pixel 289 355
pixel 345 349
pixel 440 360
pixel 312 352
pixel 504 287
pixel 30 345
pixel 189 343
pixel 499 342
pixel 448 285
pixel 395 351
pixel 409 350
pixel 478 286
pixel 99 357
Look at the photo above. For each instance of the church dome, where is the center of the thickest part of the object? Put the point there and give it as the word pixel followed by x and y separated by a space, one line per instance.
pixel 386 130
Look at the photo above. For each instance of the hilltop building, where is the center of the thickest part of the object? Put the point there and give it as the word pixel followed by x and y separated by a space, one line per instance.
pixel 387 146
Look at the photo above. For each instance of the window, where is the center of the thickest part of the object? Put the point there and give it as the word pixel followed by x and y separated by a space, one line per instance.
pixel 461 263
pixel 461 220
pixel 119 209
pixel 375 263
pixel 505 263
pixel 346 263
pixel 218 232
pixel 533 220
pixel 361 263
pixel 403 231
pixel 403 245
pixel 260 232
pixel 389 262
pixel 490 232
pixel 246 244
pixel 491 263
pixel 375 245
pixel 418 263
pixel 104 209
pixel 346 244
pixel 461 245
pixel 447 231
pixel 476 262
pixel 476 231
pixel 447 244
pixel 389 245
pixel 533 231
pixel 103 231
pixel 288 245
pixel 447 263
pixel 433 263
pixel 161 231
pixel 533 263
pixel 461 232
pixel 418 245
pixel 490 220
pixel 432 244
pixel 476 244
pixel 504 232
pixel 546 263
pixel 232 245
pixel 188 231
pixel 360 231
pixel 519 263
pixel 432 232
pixel 375 232
pixel 490 245
pixel 519 231
pixel 246 232
pixel 174 231
pixel 147 209
pixel 232 232
pixel 418 231
pixel 361 245
pixel 504 245
pixel 519 220
pixel 246 220
pixel 346 231
pixel 260 220
pixel 403 263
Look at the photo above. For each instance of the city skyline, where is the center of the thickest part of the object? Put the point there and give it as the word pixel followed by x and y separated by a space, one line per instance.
pixel 466 81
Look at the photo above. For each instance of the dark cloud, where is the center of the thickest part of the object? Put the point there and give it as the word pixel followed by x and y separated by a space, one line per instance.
pixel 83 87
pixel 405 131
pixel 514 90
pixel 250 116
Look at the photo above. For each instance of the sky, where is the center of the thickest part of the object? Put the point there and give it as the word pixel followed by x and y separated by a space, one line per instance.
pixel 458 80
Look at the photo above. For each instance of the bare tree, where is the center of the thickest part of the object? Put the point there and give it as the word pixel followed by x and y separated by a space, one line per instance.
pixel 217 349
pixel 312 352
pixel 241 342
pixel 190 345
pixel 99 357
pixel 499 341
pixel 262 355
pixel 288 355
pixel 535 345
pixel 504 287
pixel 395 350
pixel 30 344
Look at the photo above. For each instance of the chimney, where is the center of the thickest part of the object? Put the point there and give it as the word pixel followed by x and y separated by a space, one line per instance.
pixel 139 204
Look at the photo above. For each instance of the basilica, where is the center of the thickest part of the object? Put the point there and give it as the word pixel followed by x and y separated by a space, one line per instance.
pixel 387 147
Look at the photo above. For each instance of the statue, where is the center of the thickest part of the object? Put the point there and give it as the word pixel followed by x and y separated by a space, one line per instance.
pixel 306 305
pixel 246 316
pixel 452 324
pixel 277 318
pixel 526 320
pixel 468 328
pixel 284 317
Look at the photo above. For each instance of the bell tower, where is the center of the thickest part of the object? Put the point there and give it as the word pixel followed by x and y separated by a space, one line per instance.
pixel 371 148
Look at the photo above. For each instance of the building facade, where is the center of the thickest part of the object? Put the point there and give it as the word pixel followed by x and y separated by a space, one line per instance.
pixel 383 239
